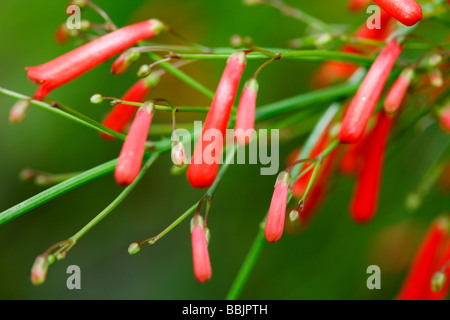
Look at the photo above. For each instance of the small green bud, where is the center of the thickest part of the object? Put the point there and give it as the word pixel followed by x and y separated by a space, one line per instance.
pixel 134 248
pixel 97 98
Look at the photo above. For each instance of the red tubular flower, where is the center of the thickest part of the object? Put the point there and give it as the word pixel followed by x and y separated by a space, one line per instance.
pixel 357 5
pixel 130 158
pixel 442 265
pixel 366 98
pixel 277 211
pixel 418 279
pixel 336 71
pixel 245 120
pixel 407 12
pixel 444 118
pixel 365 197
pixel 200 254
pixel 67 67
pixel 119 117
pixel 201 172
pixel 397 93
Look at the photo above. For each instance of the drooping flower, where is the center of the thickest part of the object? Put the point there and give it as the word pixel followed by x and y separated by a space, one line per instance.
pixel 419 277
pixel 69 66
pixel 366 98
pixel 203 168
pixel 119 117
pixel 200 254
pixel 408 12
pixel 130 158
pixel 365 197
pixel 245 119
pixel 398 90
pixel 277 211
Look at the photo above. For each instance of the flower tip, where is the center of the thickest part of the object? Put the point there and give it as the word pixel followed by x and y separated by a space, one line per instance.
pixel 134 248
pixel 178 154
pixel 199 179
pixel 239 56
pixel 157 26
pixel 438 281
pixel 124 61
pixel 39 270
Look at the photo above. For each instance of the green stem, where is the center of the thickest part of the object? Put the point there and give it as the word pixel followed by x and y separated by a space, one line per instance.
pixel 315 135
pixel 85 121
pixel 247 266
pixel 116 201
pixel 318 55
pixel 182 76
pixel 56 191
pixel 188 212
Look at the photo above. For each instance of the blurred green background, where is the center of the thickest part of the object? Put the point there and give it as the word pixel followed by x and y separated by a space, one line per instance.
pixel 327 261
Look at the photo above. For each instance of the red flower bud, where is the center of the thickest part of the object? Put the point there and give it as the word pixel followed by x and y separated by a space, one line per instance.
pixel 124 61
pixel 39 270
pixel 245 119
pixel 277 210
pixel 119 117
pixel 130 158
pixel 201 172
pixel 67 67
pixel 200 254
pixel 418 280
pixel 62 34
pixel 366 98
pixel 444 118
pixel 407 12
pixel 365 197
pixel 397 93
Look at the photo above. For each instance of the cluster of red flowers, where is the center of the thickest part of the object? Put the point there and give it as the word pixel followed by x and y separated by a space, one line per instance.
pixel 364 153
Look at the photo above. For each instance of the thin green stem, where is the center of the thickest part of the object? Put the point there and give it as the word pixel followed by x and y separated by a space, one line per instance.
pixel 85 121
pixel 116 201
pixel 56 191
pixel 164 108
pixel 182 76
pixel 247 266
pixel 300 15
pixel 316 55
pixel 193 208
